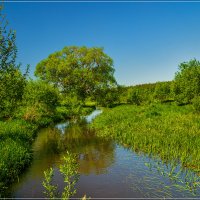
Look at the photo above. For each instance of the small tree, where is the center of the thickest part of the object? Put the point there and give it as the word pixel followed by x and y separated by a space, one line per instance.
pixel 12 81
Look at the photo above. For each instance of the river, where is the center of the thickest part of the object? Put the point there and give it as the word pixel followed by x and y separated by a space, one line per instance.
pixel 107 169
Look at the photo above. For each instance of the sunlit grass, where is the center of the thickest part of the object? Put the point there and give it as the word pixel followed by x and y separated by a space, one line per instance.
pixel 15 152
pixel 168 131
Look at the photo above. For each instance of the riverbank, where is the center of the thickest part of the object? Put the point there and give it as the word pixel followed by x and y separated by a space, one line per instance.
pixel 167 131
pixel 107 169
pixel 16 138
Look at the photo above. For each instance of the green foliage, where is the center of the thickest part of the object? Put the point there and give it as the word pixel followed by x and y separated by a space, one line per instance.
pixel 8 48
pixel 187 82
pixel 107 97
pixel 139 94
pixel 153 111
pixel 162 91
pixel 12 82
pixel 196 103
pixel 17 130
pixel 69 170
pixel 14 157
pixel 134 96
pixel 50 189
pixel 39 92
pixel 39 103
pixel 86 110
pixel 71 105
pixel 146 93
pixel 168 131
pixel 15 154
pixel 78 70
pixel 122 93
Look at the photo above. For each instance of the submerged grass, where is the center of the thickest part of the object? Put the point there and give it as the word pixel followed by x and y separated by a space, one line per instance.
pixel 168 131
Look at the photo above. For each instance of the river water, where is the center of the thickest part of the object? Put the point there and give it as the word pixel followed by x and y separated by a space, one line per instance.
pixel 107 169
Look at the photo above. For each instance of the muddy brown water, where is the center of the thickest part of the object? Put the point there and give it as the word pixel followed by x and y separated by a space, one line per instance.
pixel 107 169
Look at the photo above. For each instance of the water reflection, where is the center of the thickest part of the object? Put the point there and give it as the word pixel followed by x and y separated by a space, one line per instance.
pixel 107 169
pixel 94 155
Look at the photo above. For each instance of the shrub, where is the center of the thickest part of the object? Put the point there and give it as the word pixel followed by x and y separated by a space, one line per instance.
pixel 13 158
pixel 187 82
pixel 134 96
pixel 18 130
pixel 39 103
pixel 162 91
pixel 196 103
pixel 40 92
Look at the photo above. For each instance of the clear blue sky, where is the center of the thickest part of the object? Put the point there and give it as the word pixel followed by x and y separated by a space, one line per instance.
pixel 147 41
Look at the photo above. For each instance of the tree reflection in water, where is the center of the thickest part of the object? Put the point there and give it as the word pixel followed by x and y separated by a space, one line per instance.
pixel 95 154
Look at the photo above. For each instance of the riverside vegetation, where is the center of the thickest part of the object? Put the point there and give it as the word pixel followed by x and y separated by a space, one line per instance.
pixel 167 131
pixel 161 119
pixel 26 104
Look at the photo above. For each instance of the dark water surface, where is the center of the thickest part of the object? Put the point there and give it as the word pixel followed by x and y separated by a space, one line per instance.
pixel 106 169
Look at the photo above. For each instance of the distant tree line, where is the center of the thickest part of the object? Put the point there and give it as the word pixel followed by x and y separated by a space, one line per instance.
pixel 184 89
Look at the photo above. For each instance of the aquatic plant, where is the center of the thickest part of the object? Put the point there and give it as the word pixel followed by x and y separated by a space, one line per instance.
pixel 50 189
pixel 69 170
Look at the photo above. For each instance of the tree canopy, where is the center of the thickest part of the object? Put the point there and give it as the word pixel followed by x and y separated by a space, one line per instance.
pixel 79 70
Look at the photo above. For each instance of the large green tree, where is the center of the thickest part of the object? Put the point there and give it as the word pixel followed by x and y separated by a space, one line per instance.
pixel 79 70
pixel 12 81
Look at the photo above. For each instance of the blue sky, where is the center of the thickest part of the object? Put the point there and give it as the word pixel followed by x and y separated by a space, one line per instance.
pixel 147 41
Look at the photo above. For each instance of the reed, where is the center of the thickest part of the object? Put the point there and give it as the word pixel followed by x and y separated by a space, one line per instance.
pixel 169 132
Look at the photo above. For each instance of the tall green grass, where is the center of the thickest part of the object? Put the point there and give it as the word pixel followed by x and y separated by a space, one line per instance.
pixel 15 151
pixel 16 137
pixel 168 131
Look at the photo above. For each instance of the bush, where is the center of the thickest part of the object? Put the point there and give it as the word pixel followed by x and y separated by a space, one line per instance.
pixel 107 97
pixel 13 158
pixel 17 130
pixel 187 82
pixel 140 94
pixel 134 96
pixel 196 103
pixel 39 103
pixel 40 92
pixel 162 91
pixel 70 105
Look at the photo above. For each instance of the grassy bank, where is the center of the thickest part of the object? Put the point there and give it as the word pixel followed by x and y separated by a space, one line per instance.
pixel 15 153
pixel 16 137
pixel 169 131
